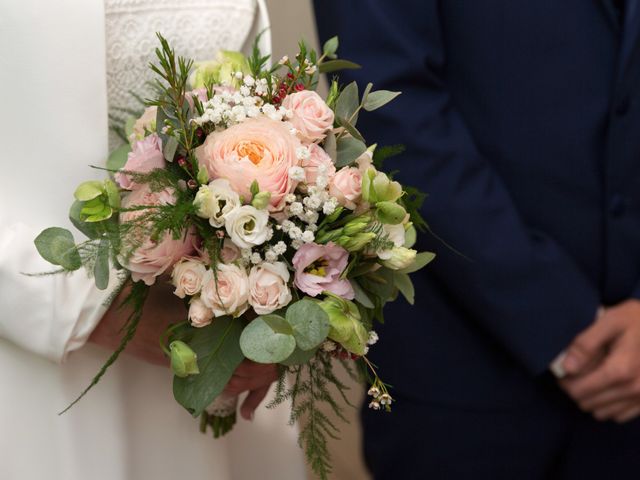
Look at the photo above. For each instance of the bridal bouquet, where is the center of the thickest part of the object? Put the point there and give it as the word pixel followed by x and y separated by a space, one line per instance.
pixel 263 204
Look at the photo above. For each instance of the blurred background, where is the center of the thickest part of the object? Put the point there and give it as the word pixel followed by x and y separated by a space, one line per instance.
pixel 292 20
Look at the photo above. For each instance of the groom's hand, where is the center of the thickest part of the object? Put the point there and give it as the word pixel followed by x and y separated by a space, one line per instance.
pixel 603 365
pixel 256 378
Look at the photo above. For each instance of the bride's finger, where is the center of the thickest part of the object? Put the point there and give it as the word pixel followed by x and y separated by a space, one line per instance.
pixel 252 401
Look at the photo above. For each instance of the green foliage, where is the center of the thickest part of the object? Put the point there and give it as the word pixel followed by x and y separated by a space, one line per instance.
pixel 309 322
pixel 381 154
pixel 218 350
pixel 422 260
pixel 101 267
pixel 348 103
pixel 330 47
pixel 118 158
pixel 378 99
pixel 405 285
pixel 135 300
pixel 348 151
pixel 335 65
pixel 412 202
pixel 262 343
pixel 56 246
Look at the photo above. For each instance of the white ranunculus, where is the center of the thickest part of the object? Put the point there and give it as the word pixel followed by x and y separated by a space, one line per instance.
pixel 187 277
pixel 269 287
pixel 226 292
pixel 247 226
pixel 216 200
pixel 199 314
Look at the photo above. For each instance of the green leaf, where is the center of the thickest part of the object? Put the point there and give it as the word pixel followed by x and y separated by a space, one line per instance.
pixel 405 285
pixel 381 154
pixel 330 47
pixel 335 65
pixel 367 91
pixel 361 296
pixel 118 158
pixel 378 99
pixel 170 148
pixel 348 151
pixel 219 354
pixel 88 190
pixel 101 267
pixel 330 146
pixel 261 344
pixel 56 246
pixel 128 126
pixel 91 230
pixel 379 283
pixel 422 259
pixel 299 357
pixel 255 188
pixel 348 102
pixel 310 323
pixel 353 131
pixel 113 195
pixel 278 324
pixel 410 237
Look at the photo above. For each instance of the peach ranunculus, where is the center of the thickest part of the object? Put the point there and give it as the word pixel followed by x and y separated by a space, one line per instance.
pixel 316 160
pixel 310 115
pixel 152 258
pixel 346 186
pixel 145 156
pixel 268 287
pixel 259 149
pixel 226 292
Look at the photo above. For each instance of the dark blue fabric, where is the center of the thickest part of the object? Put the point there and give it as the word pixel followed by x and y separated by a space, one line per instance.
pixel 521 120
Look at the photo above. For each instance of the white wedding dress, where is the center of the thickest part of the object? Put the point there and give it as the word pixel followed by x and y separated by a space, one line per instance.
pixel 63 66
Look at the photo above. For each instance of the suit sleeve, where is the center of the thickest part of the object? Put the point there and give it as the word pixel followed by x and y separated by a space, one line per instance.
pixel 48 315
pixel 517 283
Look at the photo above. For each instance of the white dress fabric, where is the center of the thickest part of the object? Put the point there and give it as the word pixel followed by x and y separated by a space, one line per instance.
pixel 54 66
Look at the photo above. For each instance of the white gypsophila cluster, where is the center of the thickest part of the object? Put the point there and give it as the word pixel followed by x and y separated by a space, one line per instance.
pixel 302 153
pixel 256 258
pixel 229 107
pixel 373 338
pixel 297 174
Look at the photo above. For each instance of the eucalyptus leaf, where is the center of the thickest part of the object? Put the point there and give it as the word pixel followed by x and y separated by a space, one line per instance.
pixel 310 323
pixel 330 47
pixel 378 99
pixel 422 259
pixel 91 230
pixel 56 246
pixel 128 125
pixel 218 350
pixel 348 102
pixel 330 146
pixel 335 65
pixel 348 151
pixel 405 285
pixel 101 267
pixel 170 148
pixel 278 324
pixel 379 283
pixel 367 91
pixel 88 190
pixel 361 296
pixel 299 357
pixel 261 344
pixel 118 158
pixel 353 131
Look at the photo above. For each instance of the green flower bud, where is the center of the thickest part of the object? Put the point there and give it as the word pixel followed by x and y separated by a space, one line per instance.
pixel 390 213
pixel 401 257
pixel 261 200
pixel 220 71
pixel 346 326
pixel 356 242
pixel 357 225
pixel 334 216
pixel 205 206
pixel 184 361
pixel 203 175
pixel 368 193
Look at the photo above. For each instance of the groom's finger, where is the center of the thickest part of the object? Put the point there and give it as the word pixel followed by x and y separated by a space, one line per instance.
pixel 610 374
pixel 590 344
pixel 624 391
pixel 252 401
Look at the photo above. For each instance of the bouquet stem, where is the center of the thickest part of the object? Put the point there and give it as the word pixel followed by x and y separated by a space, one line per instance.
pixel 220 416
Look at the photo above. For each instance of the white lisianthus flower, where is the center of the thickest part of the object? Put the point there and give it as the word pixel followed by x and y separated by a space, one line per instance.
pixel 226 292
pixel 400 258
pixel 215 201
pixel 247 226
pixel 187 277
pixel 199 314
pixel 268 287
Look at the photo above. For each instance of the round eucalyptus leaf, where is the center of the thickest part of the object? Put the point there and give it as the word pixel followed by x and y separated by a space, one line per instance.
pixel 260 343
pixel 310 323
pixel 299 357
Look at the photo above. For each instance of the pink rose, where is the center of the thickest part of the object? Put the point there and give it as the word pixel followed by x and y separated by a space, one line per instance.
pixel 229 295
pixel 145 157
pixel 147 122
pixel 318 158
pixel 318 268
pixel 152 258
pixel 259 149
pixel 310 115
pixel 268 287
pixel 187 277
pixel 199 314
pixel 346 186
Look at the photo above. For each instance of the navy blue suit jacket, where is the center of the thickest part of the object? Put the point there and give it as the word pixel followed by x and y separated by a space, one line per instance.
pixel 522 121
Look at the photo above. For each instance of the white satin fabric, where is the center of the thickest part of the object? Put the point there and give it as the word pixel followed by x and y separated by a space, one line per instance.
pixel 53 125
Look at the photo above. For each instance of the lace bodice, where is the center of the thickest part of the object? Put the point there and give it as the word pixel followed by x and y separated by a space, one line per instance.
pixel 195 28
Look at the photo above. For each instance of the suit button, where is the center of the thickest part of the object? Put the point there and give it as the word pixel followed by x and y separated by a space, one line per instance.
pixel 617 205
pixel 623 106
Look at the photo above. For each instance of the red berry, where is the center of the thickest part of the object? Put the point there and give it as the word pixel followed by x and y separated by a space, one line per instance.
pixel 276 99
pixel 199 132
pixel 299 87
pixel 290 76
pixel 181 161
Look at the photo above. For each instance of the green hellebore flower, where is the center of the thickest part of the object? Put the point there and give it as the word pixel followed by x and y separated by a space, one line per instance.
pixel 99 200
pixel 220 71
pixel 390 213
pixel 261 200
pixel 184 361
pixel 346 326
pixel 378 187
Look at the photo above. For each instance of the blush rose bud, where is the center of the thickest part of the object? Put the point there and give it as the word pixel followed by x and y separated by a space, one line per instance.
pixel 184 361
pixel 390 213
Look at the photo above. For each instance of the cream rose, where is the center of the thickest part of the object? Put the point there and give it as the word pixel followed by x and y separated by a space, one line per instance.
pixel 230 294
pixel 311 116
pixel 199 314
pixel 346 186
pixel 187 277
pixel 146 123
pixel 247 226
pixel 229 252
pixel 317 160
pixel 259 149
pixel 215 201
pixel 268 287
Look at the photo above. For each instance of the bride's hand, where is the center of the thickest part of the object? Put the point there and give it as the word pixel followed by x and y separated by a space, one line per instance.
pixel 256 378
